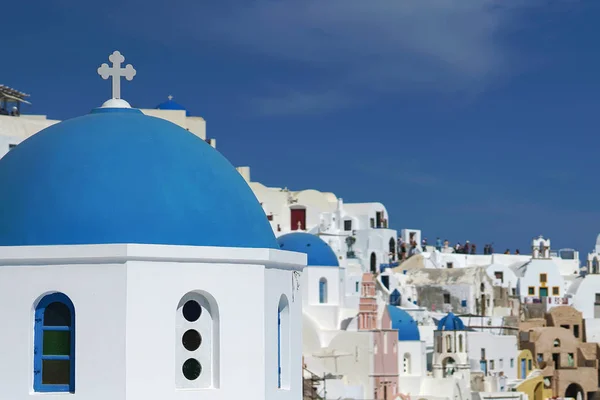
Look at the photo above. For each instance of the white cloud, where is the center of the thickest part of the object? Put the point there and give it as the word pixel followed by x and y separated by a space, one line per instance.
pixel 454 35
pixel 367 46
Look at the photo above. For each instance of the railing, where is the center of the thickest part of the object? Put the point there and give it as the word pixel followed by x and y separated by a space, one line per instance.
pixel 393 264
pixel 550 300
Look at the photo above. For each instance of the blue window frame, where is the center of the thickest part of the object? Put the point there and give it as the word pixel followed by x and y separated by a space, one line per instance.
pixel 54 345
pixel 323 290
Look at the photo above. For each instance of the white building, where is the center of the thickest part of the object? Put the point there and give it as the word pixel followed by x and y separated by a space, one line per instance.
pixel 540 279
pixel 412 358
pixel 457 362
pixel 112 259
pixel 493 354
pixel 358 231
pixel 13 130
pixel 504 276
pixel 567 260
pixel 593 258
pixel 322 282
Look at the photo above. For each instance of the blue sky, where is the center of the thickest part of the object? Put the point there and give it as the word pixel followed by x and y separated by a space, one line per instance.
pixel 468 119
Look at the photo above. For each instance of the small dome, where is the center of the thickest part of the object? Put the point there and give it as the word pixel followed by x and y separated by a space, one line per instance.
pixel 319 253
pixel 172 105
pixel 405 324
pixel 451 323
pixel 119 176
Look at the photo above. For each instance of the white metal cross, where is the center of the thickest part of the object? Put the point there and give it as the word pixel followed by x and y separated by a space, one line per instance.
pixel 116 72
pixel 170 97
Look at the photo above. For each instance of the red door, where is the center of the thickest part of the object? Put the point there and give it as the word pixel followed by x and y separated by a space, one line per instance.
pixel 298 219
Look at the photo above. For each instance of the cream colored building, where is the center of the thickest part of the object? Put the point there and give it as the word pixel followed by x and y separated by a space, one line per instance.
pixel 13 129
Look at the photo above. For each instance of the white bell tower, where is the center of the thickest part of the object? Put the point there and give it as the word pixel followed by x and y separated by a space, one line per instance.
pixel 450 358
pixel 540 248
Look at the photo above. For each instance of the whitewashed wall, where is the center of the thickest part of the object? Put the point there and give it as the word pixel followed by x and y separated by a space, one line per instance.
pixel 126 344
pixel 585 296
pixel 500 349
pixel 325 314
pixel 417 365
pixel 531 277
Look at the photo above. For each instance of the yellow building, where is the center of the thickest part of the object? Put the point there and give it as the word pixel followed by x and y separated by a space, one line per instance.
pixel 526 364
pixel 532 386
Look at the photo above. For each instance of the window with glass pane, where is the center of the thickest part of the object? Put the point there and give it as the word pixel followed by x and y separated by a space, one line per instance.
pixel 54 352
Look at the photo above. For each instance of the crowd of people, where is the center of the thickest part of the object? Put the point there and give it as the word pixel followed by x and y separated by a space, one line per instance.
pixel 407 249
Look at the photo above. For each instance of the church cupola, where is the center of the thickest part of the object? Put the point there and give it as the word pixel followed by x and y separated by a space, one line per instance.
pixel 140 265
pixel 450 348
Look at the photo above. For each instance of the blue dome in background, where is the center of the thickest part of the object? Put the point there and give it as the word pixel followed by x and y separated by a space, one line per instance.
pixel 404 323
pixel 451 323
pixel 172 105
pixel 318 252
pixel 119 176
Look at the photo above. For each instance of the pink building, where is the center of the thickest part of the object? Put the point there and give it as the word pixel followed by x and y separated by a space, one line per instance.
pixel 385 341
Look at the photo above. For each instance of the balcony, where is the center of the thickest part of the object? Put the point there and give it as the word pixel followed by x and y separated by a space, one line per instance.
pixel 549 300
pixel 392 264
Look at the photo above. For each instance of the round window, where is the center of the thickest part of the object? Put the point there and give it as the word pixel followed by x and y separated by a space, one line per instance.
pixel 191 369
pixel 191 340
pixel 192 311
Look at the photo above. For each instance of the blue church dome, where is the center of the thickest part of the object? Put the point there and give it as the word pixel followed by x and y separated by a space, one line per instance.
pixel 172 105
pixel 451 323
pixel 404 323
pixel 119 176
pixel 319 253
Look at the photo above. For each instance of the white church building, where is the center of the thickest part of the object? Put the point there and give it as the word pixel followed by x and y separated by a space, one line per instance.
pixel 118 280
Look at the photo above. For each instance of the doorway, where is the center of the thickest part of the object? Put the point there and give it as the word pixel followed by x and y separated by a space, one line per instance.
pixel 483 366
pixel 373 263
pixel 385 280
pixel 298 219
pixel 575 391
pixel 543 292
pixel 392 248
pixel 378 219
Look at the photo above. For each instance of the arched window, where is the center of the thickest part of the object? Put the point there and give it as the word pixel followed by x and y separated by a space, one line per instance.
pixel 556 343
pixel 449 344
pixel 595 265
pixel 54 345
pixel 395 298
pixel 406 367
pixel 283 343
pixel 373 263
pixel 322 290
pixel 197 341
pixel 460 343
